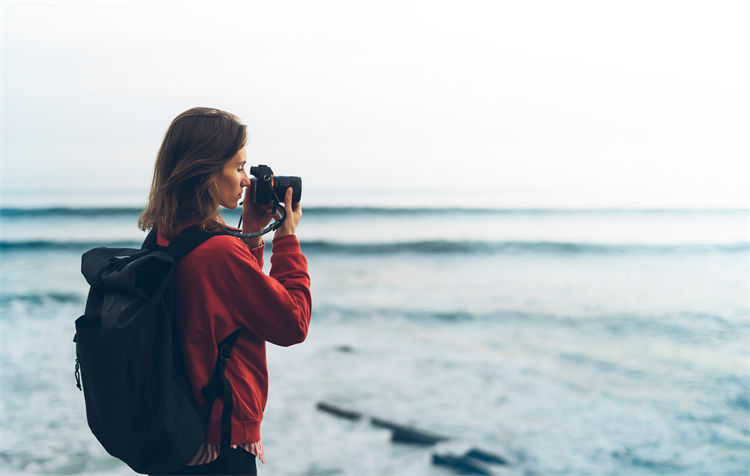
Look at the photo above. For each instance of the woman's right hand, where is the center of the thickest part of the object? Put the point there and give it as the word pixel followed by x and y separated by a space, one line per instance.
pixel 293 216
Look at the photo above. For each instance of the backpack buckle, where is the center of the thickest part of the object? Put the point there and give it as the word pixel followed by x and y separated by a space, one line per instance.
pixel 225 353
pixel 77 374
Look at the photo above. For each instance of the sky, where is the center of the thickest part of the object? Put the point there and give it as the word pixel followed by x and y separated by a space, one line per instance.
pixel 533 103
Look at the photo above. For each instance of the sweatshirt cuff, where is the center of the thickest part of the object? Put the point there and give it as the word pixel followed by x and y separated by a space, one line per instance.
pixel 252 248
pixel 286 244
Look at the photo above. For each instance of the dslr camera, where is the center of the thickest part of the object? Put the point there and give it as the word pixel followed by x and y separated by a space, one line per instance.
pixel 270 188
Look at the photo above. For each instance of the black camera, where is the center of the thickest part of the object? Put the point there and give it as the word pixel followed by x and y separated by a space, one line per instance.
pixel 270 187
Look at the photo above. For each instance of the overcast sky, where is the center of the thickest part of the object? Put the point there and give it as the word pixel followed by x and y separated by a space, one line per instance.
pixel 520 103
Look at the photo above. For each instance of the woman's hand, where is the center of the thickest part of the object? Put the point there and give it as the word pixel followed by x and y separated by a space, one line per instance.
pixel 255 217
pixel 293 216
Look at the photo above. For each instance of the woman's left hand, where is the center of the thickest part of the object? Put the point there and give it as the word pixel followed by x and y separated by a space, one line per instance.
pixel 255 217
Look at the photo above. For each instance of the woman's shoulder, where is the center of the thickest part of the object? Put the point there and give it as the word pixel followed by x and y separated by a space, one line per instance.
pixel 219 247
pixel 220 253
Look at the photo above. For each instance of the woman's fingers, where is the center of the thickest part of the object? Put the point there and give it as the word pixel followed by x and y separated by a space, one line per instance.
pixel 286 205
pixel 288 199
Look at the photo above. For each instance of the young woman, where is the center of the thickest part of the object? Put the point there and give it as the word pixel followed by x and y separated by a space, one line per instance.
pixel 221 286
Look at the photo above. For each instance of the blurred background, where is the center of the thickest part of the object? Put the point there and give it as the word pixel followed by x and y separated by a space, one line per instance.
pixel 527 223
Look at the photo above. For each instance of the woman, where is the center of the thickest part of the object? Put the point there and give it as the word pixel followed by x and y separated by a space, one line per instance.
pixel 220 285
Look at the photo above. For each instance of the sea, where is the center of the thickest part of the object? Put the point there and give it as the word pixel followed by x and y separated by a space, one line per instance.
pixel 568 341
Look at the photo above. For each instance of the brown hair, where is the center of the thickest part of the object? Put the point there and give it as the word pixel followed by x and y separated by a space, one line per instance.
pixel 195 149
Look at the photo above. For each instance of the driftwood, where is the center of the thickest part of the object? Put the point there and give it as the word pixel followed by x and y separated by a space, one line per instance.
pixel 486 456
pixel 399 433
pixel 462 464
pixel 339 412
pixel 471 462
pixel 408 434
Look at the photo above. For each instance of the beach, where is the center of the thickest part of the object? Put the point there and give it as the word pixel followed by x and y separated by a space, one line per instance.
pixel 572 341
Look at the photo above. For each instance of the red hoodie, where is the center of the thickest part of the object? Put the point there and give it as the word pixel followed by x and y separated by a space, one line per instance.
pixel 221 287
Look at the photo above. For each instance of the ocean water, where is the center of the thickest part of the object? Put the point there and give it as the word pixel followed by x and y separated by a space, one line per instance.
pixel 569 341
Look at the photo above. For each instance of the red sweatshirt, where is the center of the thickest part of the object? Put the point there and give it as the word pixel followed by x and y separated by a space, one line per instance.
pixel 221 287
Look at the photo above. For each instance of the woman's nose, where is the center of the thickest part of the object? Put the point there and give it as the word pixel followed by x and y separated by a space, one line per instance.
pixel 245 182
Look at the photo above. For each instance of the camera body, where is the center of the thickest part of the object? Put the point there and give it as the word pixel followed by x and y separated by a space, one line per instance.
pixel 269 187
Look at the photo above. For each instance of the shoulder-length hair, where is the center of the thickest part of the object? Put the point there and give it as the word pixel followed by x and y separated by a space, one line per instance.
pixel 195 149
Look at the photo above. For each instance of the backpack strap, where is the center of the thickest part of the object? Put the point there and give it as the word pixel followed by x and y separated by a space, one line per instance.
pixel 188 239
pixel 150 241
pixel 184 242
pixel 220 386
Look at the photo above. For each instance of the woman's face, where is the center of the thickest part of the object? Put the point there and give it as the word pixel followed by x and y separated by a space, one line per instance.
pixel 232 179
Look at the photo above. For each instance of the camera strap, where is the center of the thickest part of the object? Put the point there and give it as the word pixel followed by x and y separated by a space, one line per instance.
pixel 272 227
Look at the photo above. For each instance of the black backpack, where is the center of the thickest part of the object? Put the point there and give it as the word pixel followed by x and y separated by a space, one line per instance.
pixel 139 404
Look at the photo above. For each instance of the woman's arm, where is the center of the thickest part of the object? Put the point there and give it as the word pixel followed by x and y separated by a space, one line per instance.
pixel 275 308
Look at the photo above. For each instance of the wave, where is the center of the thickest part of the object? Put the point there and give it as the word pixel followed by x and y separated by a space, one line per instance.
pixel 684 326
pixel 391 211
pixel 42 298
pixel 69 212
pixel 500 247
pixel 424 247
pixel 331 211
pixel 47 245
